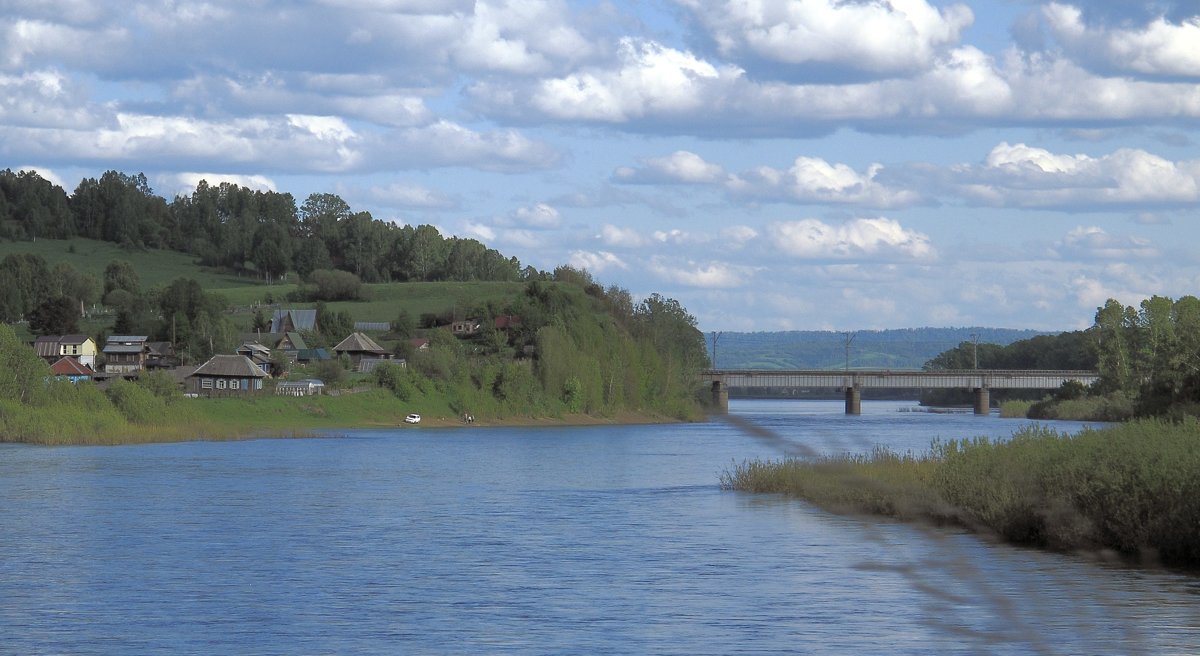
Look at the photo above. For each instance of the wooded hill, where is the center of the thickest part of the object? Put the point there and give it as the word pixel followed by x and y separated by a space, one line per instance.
pixel 909 348
pixel 578 346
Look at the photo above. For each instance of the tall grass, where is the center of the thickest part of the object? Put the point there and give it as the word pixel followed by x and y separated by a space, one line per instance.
pixel 1133 489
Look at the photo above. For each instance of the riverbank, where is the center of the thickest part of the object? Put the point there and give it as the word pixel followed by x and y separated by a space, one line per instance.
pixel 179 419
pixel 1131 490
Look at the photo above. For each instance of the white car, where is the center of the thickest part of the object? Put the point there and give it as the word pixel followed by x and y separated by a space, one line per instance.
pixel 412 419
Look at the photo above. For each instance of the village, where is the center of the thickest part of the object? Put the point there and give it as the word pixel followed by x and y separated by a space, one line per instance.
pixel 257 366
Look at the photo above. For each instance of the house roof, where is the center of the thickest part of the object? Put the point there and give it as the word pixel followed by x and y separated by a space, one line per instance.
pixel 73 339
pixel 47 345
pixel 238 366
pixel 127 338
pixel 254 347
pixel 297 340
pixel 312 354
pixel 358 343
pixel 69 366
pixel 124 348
pixel 377 326
pixel 300 320
pixel 419 342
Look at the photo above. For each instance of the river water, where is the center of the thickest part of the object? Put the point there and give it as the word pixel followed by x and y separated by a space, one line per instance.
pixel 591 540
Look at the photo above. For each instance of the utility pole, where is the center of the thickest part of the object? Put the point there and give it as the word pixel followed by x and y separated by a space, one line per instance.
pixel 975 349
pixel 716 335
pixel 849 337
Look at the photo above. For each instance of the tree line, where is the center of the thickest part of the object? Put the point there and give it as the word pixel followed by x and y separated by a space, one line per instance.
pixel 1148 358
pixel 236 228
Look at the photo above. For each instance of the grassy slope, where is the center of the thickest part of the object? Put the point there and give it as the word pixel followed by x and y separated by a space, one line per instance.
pixel 158 268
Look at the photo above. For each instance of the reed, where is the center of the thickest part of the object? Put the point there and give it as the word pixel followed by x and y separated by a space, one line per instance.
pixel 1131 489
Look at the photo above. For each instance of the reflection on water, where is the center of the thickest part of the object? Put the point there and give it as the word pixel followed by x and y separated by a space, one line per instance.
pixel 549 540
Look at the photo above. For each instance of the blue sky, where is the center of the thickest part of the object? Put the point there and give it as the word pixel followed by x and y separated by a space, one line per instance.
pixel 774 165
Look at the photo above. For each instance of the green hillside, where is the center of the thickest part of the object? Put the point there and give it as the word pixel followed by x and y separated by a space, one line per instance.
pixel 908 348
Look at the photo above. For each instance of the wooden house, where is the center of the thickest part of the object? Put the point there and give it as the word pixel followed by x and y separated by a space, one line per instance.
pixel 293 320
pixel 125 354
pixel 52 348
pixel 364 353
pixel 226 375
pixel 258 354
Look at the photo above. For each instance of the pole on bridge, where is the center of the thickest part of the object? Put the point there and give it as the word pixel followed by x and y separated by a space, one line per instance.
pixel 853 401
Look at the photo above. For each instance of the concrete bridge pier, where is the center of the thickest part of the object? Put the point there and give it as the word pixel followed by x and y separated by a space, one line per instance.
pixel 983 402
pixel 720 398
pixel 853 401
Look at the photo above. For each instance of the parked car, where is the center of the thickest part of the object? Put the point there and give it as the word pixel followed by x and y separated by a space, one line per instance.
pixel 412 419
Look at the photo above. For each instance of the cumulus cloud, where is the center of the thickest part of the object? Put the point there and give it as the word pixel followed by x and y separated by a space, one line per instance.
pixel 885 38
pixel 1158 48
pixel 519 36
pixel 650 79
pixel 537 217
pixel 1093 242
pixel 680 167
pixel 620 237
pixel 596 262
pixel 1025 176
pixel 411 196
pixel 812 179
pixel 713 275
pixel 880 237
pixel 185 183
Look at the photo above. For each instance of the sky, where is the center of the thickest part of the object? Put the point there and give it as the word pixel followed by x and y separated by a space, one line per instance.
pixel 773 165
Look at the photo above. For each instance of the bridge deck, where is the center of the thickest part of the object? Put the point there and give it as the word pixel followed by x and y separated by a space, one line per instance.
pixel 899 379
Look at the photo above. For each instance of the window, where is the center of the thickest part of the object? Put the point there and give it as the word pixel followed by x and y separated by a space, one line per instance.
pixel 205 383
pixel 220 383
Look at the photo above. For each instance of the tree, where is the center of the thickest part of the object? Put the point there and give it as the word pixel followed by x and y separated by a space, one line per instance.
pixel 56 316
pixel 120 274
pixel 22 373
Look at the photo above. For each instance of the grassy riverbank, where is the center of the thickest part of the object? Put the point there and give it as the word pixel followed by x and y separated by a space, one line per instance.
pixel 1132 489
pixel 90 419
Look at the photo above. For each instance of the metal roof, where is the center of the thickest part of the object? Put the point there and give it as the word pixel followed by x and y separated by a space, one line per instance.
pixel 230 365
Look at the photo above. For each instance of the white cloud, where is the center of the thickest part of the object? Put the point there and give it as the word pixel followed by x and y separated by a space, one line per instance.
pixel 185 183
pixel 885 37
pixel 738 234
pixel 812 179
pixel 1091 242
pixel 1159 48
pixel 596 262
pixel 537 217
pixel 681 166
pixel 812 239
pixel 714 275
pixel 651 79
pixel 411 196
pixel 518 36
pixel 620 237
pixel 1025 176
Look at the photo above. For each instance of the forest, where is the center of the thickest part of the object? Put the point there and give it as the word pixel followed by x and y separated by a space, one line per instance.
pixel 262 233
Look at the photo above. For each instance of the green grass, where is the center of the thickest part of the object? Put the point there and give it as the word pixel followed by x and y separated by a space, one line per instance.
pixel 155 268
pixel 1131 489
pixel 158 268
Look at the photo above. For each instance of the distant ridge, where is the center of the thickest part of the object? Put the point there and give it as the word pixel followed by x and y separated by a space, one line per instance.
pixel 903 348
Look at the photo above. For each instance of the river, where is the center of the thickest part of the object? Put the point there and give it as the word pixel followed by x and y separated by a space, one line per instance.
pixel 587 540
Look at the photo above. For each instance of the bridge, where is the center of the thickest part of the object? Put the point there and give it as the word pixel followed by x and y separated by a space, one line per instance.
pixel 853 381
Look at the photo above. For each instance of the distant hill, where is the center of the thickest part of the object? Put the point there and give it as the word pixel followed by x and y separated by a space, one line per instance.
pixel 908 348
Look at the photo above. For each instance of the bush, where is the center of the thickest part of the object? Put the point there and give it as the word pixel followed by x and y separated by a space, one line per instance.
pixel 138 404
